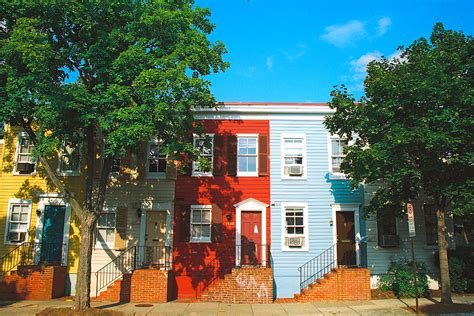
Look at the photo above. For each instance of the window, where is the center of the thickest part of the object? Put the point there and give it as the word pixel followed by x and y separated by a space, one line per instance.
pixel 69 161
pixel 337 153
pixel 25 162
pixel 2 131
pixel 247 156
pixel 293 156
pixel 205 146
pixel 295 230
pixel 18 221
pixel 156 159
pixel 387 230
pixel 106 228
pixel 116 165
pixel 201 223
pixel 431 225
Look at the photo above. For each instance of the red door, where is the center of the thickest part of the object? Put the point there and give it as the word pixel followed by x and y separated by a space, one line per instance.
pixel 251 242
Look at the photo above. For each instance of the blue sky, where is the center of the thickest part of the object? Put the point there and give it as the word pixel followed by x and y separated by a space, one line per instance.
pixel 296 51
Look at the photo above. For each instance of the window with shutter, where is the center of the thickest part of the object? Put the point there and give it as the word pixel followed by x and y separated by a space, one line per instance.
pixel 201 219
pixel 247 157
pixel 105 236
pixel 18 221
pixel 25 162
pixel 205 146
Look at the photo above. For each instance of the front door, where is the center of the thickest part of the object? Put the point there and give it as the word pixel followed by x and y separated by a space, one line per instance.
pixel 53 233
pixel 155 239
pixel 251 242
pixel 346 250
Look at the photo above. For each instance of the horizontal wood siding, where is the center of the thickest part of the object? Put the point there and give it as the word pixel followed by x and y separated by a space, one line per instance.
pixel 223 191
pixel 317 190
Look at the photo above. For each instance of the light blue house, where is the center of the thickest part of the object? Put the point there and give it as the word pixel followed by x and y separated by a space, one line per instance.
pixel 312 205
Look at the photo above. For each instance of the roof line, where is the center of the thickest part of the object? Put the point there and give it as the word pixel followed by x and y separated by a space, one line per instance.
pixel 275 103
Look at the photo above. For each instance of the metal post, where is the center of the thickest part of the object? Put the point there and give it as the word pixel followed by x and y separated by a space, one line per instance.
pixel 134 258
pixel 414 271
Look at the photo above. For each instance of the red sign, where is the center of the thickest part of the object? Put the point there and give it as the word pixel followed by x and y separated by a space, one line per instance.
pixel 411 211
pixel 411 220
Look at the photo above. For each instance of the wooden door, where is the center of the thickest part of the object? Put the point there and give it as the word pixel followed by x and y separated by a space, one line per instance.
pixel 251 240
pixel 53 234
pixel 346 250
pixel 155 238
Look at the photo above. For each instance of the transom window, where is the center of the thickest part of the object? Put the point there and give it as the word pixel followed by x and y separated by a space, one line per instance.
pixel 294 221
pixel 69 160
pixel 205 146
pixel 201 224
pixel 337 153
pixel 18 222
pixel 156 159
pixel 247 155
pixel 431 225
pixel 25 162
pixel 106 228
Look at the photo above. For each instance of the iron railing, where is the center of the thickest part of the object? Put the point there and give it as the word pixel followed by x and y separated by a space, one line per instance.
pixel 251 254
pixel 317 267
pixel 131 259
pixel 32 253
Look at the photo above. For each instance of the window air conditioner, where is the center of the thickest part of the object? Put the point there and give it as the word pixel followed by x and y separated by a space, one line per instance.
pixel 389 241
pixel 294 241
pixel 295 170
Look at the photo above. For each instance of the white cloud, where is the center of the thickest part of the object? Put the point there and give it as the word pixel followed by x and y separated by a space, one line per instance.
pixel 383 25
pixel 342 35
pixel 269 63
pixel 358 68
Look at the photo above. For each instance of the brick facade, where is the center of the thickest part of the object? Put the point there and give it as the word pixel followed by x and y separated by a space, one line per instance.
pixel 34 283
pixel 243 285
pixel 149 286
pixel 339 285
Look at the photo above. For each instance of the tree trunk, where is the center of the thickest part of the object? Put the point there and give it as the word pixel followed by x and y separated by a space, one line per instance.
pixel 83 285
pixel 443 257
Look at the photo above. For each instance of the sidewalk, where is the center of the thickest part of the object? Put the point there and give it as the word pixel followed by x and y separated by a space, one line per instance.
pixel 374 307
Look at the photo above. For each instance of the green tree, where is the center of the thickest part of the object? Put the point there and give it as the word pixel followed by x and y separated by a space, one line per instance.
pixel 140 68
pixel 414 130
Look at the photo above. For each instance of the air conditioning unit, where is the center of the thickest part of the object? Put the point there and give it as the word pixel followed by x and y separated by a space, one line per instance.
pixel 389 241
pixel 25 167
pixel 294 241
pixel 296 170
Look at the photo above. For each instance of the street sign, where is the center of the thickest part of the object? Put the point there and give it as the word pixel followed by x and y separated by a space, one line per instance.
pixel 411 220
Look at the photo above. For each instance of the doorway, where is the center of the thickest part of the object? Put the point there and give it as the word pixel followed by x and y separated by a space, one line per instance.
pixel 251 238
pixel 53 233
pixel 155 239
pixel 345 234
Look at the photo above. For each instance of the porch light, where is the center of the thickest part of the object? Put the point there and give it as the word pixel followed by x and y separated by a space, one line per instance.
pixel 38 212
pixel 229 217
pixel 331 222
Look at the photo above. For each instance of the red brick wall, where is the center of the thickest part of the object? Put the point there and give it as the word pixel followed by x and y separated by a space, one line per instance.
pixel 340 285
pixel 243 285
pixel 149 286
pixel 34 283
pixel 189 259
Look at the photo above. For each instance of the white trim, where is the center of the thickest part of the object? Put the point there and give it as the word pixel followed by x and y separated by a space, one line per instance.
pixel 7 222
pixel 158 207
pixel 333 175
pixel 15 172
pixel 352 207
pixel 304 205
pixel 106 245
pixel 252 173
pixel 207 173
pixel 245 206
pixel 154 175
pixel 266 109
pixel 54 199
pixel 200 239
pixel 284 136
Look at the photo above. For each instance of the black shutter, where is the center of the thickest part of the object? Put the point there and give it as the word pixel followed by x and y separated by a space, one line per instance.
pixel 216 226
pixel 263 153
pixel 218 164
pixel 184 219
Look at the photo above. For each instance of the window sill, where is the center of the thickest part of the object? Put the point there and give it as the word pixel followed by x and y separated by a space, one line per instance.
pixel 204 241
pixel 16 173
pixel 337 176
pixel 12 243
pixel 201 175
pixel 254 174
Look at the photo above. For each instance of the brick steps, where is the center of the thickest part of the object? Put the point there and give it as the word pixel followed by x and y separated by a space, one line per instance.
pixel 118 291
pixel 338 285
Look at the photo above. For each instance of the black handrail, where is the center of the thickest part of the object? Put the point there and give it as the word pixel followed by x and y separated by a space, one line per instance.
pixel 317 267
pixel 32 253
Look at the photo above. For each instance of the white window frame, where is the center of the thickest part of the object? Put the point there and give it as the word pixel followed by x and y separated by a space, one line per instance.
pixel 331 137
pixel 15 172
pixel 110 244
pixel 202 173
pixel 12 202
pixel 304 176
pixel 3 129
pixel 68 173
pixel 200 239
pixel 247 173
pixel 158 174
pixel 304 206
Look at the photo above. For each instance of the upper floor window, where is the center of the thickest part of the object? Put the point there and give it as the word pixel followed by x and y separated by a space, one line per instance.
pixel 200 223
pixel 116 165
pixel 2 131
pixel 387 230
pixel 247 156
pixel 106 228
pixel 25 162
pixel 431 225
pixel 205 146
pixel 337 153
pixel 293 157
pixel 18 221
pixel 156 159
pixel 69 161
pixel 295 230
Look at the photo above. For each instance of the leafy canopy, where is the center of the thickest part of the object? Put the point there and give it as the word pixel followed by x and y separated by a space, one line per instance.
pixel 414 128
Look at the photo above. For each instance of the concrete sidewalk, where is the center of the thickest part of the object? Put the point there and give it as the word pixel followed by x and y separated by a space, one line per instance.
pixel 374 307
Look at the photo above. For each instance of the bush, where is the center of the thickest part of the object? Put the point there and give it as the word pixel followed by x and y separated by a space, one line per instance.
pixel 456 273
pixel 400 279
pixel 461 268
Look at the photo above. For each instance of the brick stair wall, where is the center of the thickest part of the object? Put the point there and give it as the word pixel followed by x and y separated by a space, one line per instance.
pixel 342 284
pixel 118 291
pixel 242 285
